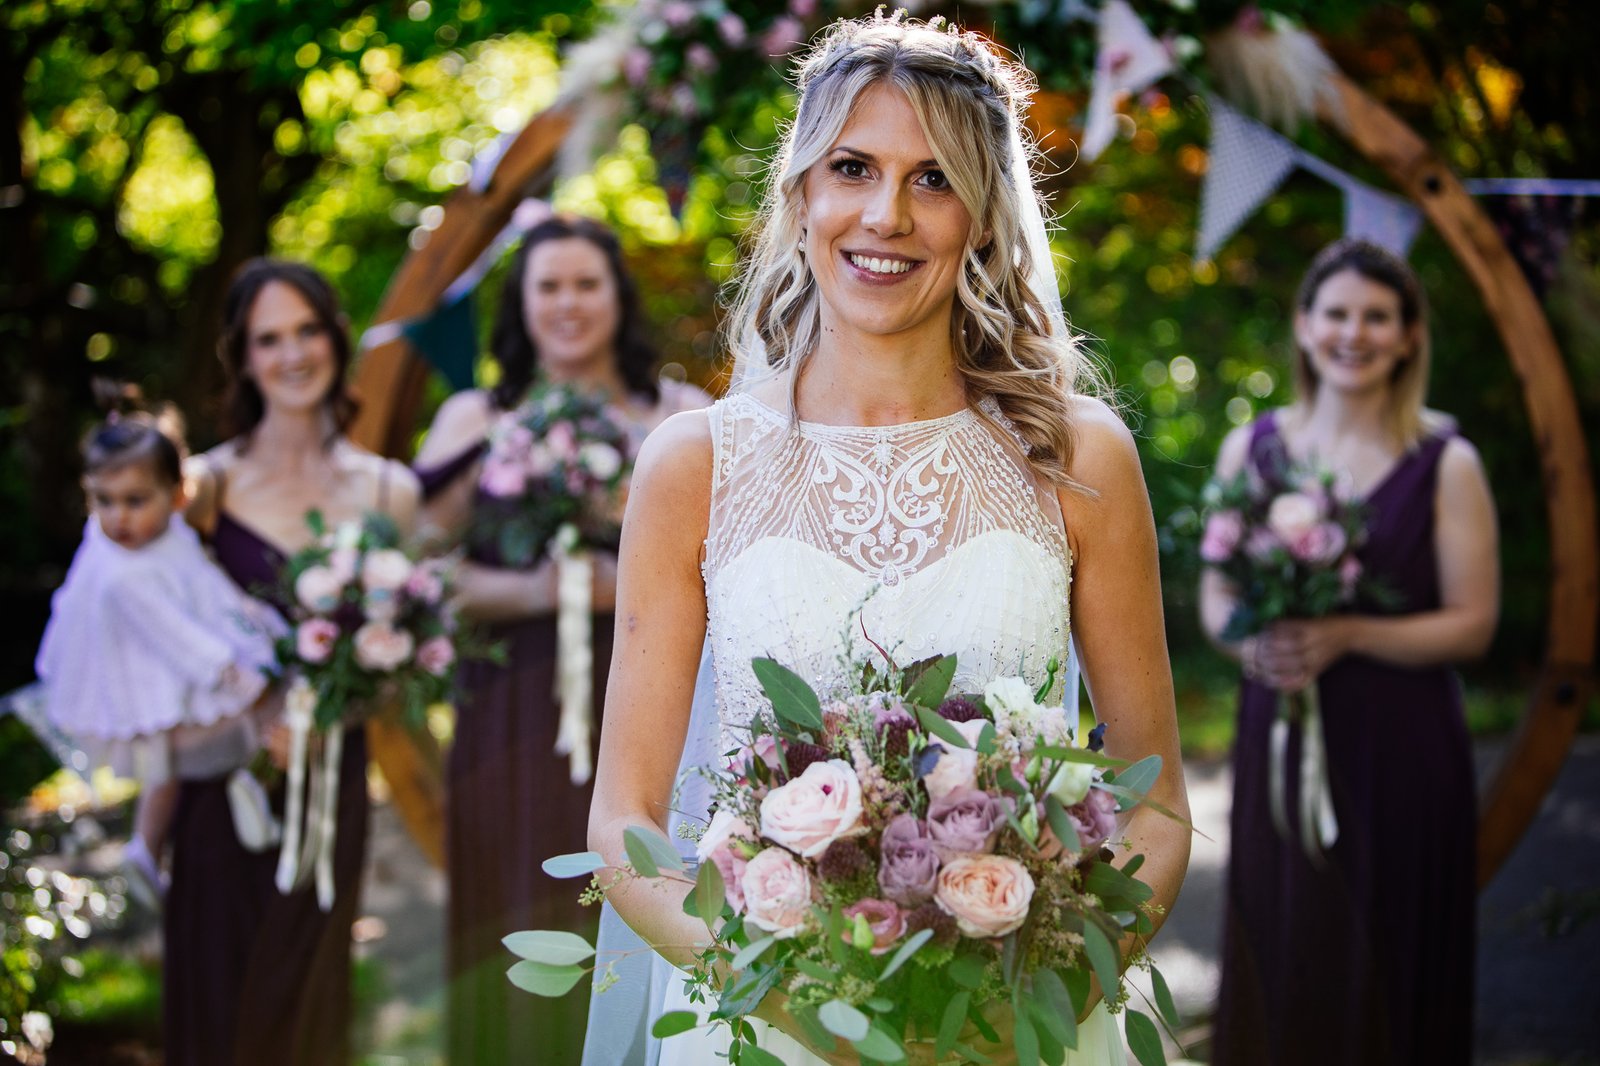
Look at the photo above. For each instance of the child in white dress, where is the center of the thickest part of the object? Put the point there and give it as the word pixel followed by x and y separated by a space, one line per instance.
pixel 150 646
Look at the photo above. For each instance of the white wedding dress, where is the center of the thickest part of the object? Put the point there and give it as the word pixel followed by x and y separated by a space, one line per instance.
pixel 828 542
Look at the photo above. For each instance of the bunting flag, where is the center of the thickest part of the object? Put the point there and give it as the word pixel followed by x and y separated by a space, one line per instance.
pixel 1387 221
pixel 447 337
pixel 1127 60
pixel 1248 162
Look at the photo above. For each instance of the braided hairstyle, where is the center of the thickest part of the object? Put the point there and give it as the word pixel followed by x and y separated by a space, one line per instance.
pixel 970 102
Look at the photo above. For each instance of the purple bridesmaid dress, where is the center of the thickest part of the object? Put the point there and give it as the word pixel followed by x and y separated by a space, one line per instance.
pixel 1369 960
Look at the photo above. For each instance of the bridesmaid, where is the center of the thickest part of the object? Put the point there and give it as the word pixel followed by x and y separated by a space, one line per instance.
pixel 1368 960
pixel 569 312
pixel 252 975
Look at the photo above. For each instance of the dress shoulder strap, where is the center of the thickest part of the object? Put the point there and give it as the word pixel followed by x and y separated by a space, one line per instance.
pixel 1268 454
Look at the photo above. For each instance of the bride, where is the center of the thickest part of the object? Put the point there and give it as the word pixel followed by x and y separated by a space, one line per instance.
pixel 906 442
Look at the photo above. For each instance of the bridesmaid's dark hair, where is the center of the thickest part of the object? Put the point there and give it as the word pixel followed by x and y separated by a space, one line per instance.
pixel 244 406
pixel 513 347
pixel 1407 419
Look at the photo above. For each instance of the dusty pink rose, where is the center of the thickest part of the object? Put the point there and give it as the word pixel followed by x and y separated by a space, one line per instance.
pixel 1095 818
pixel 777 893
pixel 887 922
pixel 1262 544
pixel 763 750
pixel 1223 532
pixel 502 478
pixel 1349 574
pixel 957 768
pixel 314 639
pixel 318 589
pixel 562 440
pixel 987 895
pixel 1321 544
pixel 426 584
pixel 718 846
pixel 1292 515
pixel 437 655
pixel 965 820
pixel 815 809
pixel 381 647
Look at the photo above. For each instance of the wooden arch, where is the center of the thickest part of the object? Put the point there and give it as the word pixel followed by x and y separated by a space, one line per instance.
pixel 390 381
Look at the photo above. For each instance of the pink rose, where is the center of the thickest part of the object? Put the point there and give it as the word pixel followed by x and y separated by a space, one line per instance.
pixel 1095 818
pixel 957 768
pixel 381 647
pixel 1349 574
pixel 385 570
pixel 1321 544
pixel 717 846
pixel 562 440
pixel 318 589
pixel 987 895
pixel 342 561
pixel 1223 532
pixel 887 922
pixel 502 478
pixel 765 750
pixel 1292 515
pixel 815 809
pixel 426 583
pixel 437 655
pixel 782 36
pixel 777 893
pixel 314 639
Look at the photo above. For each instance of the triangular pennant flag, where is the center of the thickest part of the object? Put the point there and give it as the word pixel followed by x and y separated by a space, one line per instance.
pixel 1127 60
pixel 1248 161
pixel 447 337
pixel 1387 221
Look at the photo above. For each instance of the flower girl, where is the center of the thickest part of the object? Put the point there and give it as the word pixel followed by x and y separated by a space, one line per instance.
pixel 151 651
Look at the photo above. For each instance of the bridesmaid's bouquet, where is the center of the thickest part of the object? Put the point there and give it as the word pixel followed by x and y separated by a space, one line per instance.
pixel 904 865
pixel 554 482
pixel 370 624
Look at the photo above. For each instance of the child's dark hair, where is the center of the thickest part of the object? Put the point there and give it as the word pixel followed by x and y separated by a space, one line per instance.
pixel 132 434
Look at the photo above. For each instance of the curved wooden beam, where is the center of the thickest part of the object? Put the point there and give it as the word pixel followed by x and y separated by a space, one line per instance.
pixel 1512 797
pixel 390 380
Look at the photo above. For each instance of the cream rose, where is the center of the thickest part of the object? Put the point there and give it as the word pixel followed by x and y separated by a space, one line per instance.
pixel 987 895
pixel 381 647
pixel 957 767
pixel 1008 698
pixel 814 809
pixel 1071 782
pixel 601 460
pixel 777 893
pixel 1292 515
pixel 318 588
pixel 385 570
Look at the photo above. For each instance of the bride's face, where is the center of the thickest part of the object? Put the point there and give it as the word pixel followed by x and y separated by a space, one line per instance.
pixel 885 233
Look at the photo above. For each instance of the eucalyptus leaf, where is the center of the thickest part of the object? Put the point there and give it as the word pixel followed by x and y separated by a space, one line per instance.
pixel 792 699
pixel 751 952
pixel 709 894
pixel 879 1046
pixel 972 1054
pixel 543 979
pixel 1143 1040
pixel 904 952
pixel 955 1016
pixel 815 970
pixel 879 1004
pixel 967 970
pixel 1061 825
pixel 1141 776
pixel 751 1055
pixel 1054 1007
pixel 674 1022
pixel 649 851
pixel 552 946
pixel 1025 1041
pixel 746 992
pixel 843 1020
pixel 941 727
pixel 1164 1001
pixel 933 684
pixel 985 743
pixel 1102 956
pixel 1068 753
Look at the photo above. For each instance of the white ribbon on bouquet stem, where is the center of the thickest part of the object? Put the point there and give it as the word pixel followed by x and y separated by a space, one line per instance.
pixel 1318 826
pixel 311 804
pixel 574 652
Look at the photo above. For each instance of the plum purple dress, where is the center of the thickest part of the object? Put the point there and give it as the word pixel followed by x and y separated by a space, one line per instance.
pixel 253 977
pixel 1370 960
pixel 511 804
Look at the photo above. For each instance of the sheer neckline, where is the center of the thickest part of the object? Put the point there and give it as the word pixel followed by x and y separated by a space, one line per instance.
pixel 829 429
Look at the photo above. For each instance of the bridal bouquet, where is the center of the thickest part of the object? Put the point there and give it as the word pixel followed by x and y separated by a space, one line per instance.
pixel 903 865
pixel 369 622
pixel 1289 550
pixel 554 481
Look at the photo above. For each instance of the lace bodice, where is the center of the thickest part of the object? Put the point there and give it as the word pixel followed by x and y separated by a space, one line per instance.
pixel 933 532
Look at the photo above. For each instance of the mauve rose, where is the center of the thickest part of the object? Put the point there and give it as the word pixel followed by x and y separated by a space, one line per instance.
pixel 957 768
pixel 887 922
pixel 318 588
pixel 802 8
pixel 437 655
pixel 1292 514
pixel 1221 539
pixel 716 846
pixel 1349 574
pixel 314 639
pixel 385 570
pixel 502 479
pixel 966 820
pixel 777 893
pixel 1262 545
pixel 908 866
pixel 1321 544
pixel 815 809
pixel 1095 818
pixel 426 584
pixel 381 647
pixel 987 895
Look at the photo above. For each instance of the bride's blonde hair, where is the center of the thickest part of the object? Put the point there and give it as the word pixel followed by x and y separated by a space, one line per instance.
pixel 969 100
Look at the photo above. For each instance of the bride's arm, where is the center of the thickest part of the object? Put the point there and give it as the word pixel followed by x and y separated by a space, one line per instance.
pixel 1120 635
pixel 661 618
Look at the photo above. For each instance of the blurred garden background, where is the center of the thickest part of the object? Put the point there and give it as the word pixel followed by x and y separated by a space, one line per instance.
pixel 147 148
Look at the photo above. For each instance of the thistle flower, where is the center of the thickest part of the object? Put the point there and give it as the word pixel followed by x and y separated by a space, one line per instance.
pixel 843 860
pixel 957 709
pixel 930 916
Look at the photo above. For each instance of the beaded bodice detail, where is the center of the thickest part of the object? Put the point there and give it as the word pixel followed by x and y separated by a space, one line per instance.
pixel 924 538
